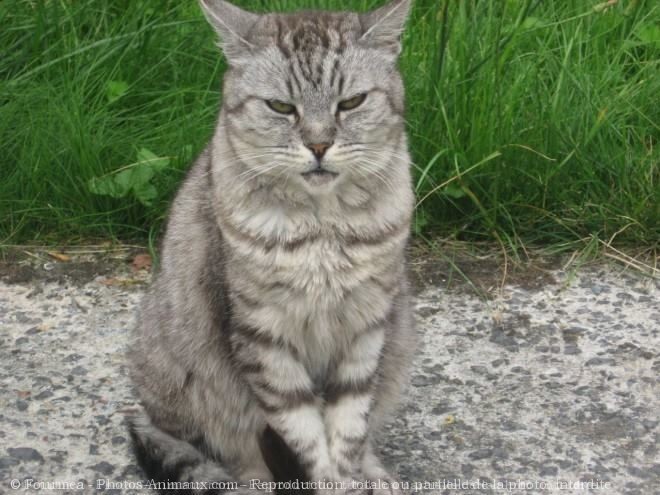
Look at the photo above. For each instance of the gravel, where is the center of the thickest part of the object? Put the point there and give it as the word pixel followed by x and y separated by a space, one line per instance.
pixel 534 390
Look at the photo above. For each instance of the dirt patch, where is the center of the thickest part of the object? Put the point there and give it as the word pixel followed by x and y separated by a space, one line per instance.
pixel 458 270
pixel 20 266
pixel 454 269
pixel 78 273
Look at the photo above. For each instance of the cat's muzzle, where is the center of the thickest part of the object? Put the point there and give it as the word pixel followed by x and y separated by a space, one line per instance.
pixel 319 176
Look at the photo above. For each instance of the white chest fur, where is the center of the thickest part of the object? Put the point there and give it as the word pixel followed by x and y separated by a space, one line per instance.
pixel 318 296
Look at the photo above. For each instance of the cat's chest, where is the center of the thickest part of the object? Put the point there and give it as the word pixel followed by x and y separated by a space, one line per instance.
pixel 318 296
pixel 324 273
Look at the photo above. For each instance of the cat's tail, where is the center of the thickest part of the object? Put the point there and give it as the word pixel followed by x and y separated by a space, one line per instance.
pixel 174 466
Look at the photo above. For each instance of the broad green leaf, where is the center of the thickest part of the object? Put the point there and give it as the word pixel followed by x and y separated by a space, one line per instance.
pixel 134 177
pixel 531 23
pixel 115 90
pixel 454 190
pixel 146 194
pixel 106 186
pixel 149 158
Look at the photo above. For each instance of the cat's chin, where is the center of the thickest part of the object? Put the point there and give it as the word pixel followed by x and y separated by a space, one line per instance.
pixel 320 178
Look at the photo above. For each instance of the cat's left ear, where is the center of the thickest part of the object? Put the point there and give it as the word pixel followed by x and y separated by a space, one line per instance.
pixel 383 27
pixel 232 24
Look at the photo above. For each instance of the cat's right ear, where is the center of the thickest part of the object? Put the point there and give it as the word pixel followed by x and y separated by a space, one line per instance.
pixel 233 25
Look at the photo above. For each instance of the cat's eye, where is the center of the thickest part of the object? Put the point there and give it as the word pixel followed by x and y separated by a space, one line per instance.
pixel 281 107
pixel 352 103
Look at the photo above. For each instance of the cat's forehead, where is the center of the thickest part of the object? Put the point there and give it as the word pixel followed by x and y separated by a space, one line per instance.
pixel 308 32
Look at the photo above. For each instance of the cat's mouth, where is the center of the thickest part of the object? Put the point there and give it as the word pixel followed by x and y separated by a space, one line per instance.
pixel 319 176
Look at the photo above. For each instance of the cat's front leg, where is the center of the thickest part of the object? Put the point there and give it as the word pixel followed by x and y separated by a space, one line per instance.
pixel 284 390
pixel 349 399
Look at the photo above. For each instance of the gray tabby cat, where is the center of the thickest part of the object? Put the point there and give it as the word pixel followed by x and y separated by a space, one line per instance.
pixel 275 339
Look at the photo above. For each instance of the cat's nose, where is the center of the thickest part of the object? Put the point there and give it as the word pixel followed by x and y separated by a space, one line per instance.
pixel 319 149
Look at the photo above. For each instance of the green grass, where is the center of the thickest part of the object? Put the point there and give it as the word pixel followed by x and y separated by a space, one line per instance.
pixel 531 122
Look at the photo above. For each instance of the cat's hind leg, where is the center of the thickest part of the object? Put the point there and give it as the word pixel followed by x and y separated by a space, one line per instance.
pixel 169 460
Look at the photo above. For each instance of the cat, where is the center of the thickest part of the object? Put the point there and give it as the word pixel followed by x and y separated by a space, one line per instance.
pixel 276 337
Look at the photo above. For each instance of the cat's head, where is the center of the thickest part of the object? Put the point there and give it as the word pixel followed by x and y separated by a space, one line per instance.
pixel 313 98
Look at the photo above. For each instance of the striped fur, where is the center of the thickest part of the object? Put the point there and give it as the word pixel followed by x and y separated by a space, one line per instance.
pixel 275 339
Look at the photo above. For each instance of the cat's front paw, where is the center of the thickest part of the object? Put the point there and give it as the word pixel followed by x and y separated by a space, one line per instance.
pixel 352 486
pixel 387 486
pixel 355 487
